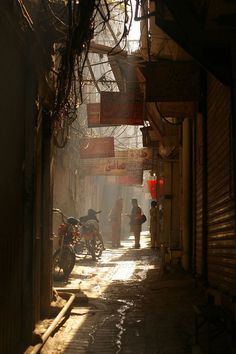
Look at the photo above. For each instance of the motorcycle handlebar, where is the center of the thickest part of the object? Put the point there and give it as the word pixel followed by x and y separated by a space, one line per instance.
pixel 56 210
pixel 66 219
pixel 81 221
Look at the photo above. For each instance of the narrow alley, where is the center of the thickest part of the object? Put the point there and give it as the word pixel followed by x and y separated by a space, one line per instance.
pixel 118 117
pixel 127 304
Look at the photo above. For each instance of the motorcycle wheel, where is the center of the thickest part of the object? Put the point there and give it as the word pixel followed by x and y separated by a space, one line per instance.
pixel 98 248
pixel 79 248
pixel 64 266
pixel 90 244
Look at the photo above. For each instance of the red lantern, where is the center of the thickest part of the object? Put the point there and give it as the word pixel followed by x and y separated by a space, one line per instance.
pixel 152 188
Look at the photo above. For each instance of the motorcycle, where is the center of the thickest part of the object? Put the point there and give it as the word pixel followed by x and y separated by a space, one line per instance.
pixel 64 257
pixel 90 239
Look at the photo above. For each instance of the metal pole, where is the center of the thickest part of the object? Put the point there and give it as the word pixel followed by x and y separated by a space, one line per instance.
pixel 51 328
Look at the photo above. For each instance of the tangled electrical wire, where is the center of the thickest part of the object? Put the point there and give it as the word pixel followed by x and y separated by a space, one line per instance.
pixel 71 56
pixel 84 18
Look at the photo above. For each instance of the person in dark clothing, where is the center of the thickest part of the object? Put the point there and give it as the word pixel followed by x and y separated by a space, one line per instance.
pixel 135 224
pixel 91 215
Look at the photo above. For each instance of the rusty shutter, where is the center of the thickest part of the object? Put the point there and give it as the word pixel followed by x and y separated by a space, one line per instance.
pixel 198 254
pixel 221 260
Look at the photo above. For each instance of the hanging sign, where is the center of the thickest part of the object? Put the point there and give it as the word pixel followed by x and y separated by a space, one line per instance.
pixel 135 154
pixel 121 108
pixel 110 167
pixel 97 147
pixel 125 162
pixel 144 155
pixel 93 116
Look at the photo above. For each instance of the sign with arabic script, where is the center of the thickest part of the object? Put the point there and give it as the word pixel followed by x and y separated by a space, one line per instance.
pixel 143 154
pixel 110 167
pixel 135 154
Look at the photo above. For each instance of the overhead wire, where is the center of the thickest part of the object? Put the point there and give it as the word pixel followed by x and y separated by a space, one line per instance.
pixel 83 22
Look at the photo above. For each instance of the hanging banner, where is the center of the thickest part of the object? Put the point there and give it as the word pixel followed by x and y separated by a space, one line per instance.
pixel 124 162
pixel 119 108
pixel 110 167
pixel 144 155
pixel 97 147
pixel 135 154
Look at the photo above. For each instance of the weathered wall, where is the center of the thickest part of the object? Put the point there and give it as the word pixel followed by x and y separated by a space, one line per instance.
pixel 14 109
pixel 25 177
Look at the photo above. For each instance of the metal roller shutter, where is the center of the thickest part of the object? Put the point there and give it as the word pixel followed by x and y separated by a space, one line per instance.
pixel 199 199
pixel 221 259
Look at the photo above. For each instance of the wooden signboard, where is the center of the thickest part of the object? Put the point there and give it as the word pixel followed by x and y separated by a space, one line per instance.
pixel 125 162
pixel 97 147
pixel 110 167
pixel 93 116
pixel 118 108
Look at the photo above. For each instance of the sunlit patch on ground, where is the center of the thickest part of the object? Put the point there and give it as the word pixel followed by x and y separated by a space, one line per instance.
pixel 124 270
pixel 109 309
pixel 119 264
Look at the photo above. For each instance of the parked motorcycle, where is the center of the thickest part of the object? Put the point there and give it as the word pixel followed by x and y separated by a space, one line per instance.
pixel 64 257
pixel 90 239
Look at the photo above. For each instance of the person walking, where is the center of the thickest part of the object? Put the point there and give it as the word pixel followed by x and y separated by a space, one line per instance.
pixel 135 221
pixel 115 218
pixel 153 224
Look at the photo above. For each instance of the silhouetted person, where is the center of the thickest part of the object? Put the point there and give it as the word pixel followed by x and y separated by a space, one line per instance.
pixel 135 224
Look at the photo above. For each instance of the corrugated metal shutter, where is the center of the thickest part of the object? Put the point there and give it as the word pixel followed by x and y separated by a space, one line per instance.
pixel 199 199
pixel 221 208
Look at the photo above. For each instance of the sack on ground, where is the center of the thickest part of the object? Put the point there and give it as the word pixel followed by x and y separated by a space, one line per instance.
pixel 143 218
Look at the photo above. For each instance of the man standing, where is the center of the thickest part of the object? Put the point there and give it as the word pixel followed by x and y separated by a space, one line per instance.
pixel 135 221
